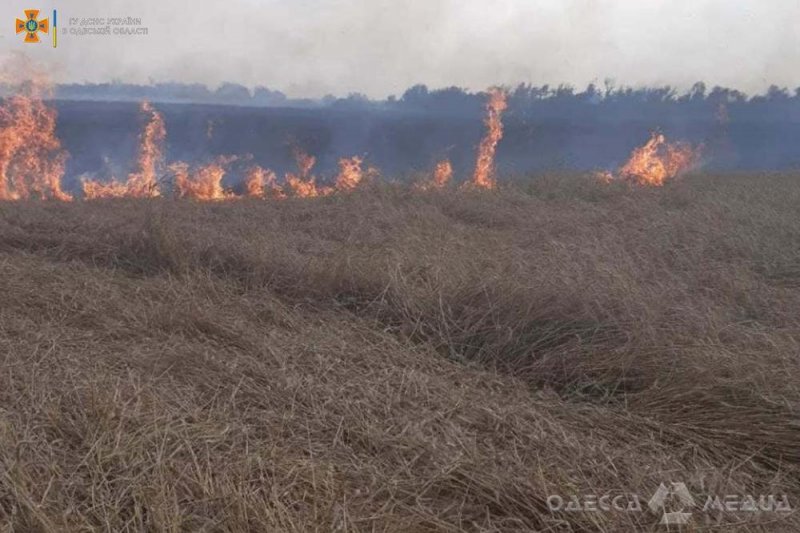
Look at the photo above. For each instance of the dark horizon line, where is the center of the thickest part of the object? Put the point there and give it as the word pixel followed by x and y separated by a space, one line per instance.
pixel 230 92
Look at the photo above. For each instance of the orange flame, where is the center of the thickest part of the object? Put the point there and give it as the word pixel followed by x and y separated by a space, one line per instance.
pixel 484 166
pixel 144 182
pixel 350 173
pixel 302 188
pixel 657 161
pixel 304 184
pixel 205 183
pixel 442 174
pixel 305 162
pixel 261 183
pixel 32 160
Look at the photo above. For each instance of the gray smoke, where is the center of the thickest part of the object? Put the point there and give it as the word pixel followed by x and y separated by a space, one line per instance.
pixel 380 47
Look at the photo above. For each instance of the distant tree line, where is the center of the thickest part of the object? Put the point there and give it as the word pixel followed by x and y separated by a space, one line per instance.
pixel 560 101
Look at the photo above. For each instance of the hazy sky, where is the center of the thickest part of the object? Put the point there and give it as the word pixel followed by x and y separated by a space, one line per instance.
pixel 381 47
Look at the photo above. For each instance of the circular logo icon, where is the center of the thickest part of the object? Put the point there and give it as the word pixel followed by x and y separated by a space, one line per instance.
pixel 31 26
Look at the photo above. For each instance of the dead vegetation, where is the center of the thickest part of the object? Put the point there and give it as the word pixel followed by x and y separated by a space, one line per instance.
pixel 390 360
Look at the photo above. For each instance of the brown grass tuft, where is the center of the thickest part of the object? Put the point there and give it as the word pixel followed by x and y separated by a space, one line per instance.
pixel 397 361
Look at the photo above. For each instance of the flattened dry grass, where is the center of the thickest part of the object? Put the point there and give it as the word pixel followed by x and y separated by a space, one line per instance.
pixel 396 361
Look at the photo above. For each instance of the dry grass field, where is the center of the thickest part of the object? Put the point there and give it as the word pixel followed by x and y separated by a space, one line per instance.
pixel 389 360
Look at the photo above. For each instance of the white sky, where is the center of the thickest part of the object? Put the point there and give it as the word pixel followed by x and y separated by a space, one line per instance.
pixel 381 47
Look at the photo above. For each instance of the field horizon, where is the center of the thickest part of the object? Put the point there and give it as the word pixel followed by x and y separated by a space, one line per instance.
pixel 389 359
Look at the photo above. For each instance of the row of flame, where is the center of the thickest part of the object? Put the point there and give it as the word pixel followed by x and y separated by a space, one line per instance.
pixel 32 162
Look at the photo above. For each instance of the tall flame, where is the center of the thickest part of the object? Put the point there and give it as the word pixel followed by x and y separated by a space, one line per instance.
pixel 261 183
pixel 658 160
pixel 303 184
pixel 442 174
pixel 305 162
pixel 484 167
pixel 350 173
pixel 144 182
pixel 205 182
pixel 32 160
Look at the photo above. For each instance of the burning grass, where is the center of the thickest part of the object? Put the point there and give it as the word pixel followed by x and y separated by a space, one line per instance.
pixel 484 177
pixel 144 182
pixel 32 161
pixel 31 157
pixel 389 360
